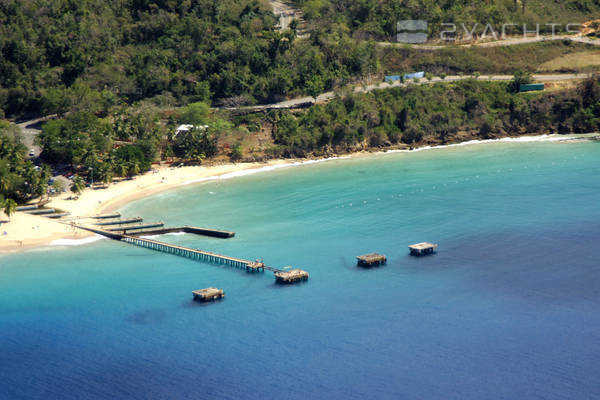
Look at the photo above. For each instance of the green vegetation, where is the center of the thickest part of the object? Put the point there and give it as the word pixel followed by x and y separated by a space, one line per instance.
pixel 19 179
pixel 377 19
pixel 94 56
pixel 579 61
pixel 196 144
pixel 486 60
pixel 236 152
pixel 440 113
pixel 122 75
pixel 520 78
pixel 78 185
pixel 99 57
pixel 10 206
pixel 128 142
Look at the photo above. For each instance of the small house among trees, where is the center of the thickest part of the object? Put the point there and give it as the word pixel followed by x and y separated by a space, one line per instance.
pixel 187 128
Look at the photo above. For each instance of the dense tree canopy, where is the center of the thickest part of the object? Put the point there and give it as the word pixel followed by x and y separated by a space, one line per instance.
pixel 434 114
pixel 93 55
pixel 19 178
pixel 122 74
pixel 378 19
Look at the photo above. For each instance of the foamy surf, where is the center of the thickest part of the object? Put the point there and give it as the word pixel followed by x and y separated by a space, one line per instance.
pixel 76 242
pixel 150 237
pixel 154 237
pixel 520 139
pixel 266 168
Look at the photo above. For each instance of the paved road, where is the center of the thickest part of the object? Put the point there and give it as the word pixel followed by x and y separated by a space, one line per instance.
pixel 286 14
pixel 29 130
pixel 499 43
pixel 453 78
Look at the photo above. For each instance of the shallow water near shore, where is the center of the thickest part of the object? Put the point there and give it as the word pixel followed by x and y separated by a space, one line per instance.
pixel 508 308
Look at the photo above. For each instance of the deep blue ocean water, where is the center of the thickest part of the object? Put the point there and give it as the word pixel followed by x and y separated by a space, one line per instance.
pixel 509 308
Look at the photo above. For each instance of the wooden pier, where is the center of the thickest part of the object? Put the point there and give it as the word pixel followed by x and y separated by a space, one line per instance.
pixel 136 227
pixel 27 208
pixel 182 229
pixel 107 216
pixel 194 254
pixel 41 211
pixel 422 249
pixel 58 215
pixel 125 221
pixel 208 294
pixel 208 232
pixel 200 255
pixel 371 260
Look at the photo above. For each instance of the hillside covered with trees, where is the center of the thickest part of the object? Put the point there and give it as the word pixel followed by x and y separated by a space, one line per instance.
pixel 436 114
pixel 102 148
pixel 95 55
pixel 378 19
pixel 20 180
pixel 123 75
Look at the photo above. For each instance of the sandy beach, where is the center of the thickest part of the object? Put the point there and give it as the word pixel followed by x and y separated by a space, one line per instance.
pixel 25 231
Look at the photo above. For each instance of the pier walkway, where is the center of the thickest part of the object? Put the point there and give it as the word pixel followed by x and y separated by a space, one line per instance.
pixel 200 255
pixel 195 254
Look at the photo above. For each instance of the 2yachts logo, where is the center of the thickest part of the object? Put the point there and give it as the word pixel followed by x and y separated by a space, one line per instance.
pixel 415 31
pixel 412 31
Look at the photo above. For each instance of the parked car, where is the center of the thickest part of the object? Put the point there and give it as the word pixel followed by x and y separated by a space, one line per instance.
pixel 31 153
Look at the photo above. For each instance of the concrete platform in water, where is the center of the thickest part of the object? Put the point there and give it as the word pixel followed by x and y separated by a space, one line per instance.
pixel 291 276
pixel 371 260
pixel 422 249
pixel 208 294
pixel 186 229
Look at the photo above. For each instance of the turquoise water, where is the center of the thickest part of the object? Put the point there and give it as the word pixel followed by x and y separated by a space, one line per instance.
pixel 508 308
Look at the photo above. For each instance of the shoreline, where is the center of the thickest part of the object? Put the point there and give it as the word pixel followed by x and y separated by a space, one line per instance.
pixel 25 232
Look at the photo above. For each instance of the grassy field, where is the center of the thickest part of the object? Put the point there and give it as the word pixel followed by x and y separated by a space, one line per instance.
pixel 540 57
pixel 377 19
pixel 581 61
pixel 562 12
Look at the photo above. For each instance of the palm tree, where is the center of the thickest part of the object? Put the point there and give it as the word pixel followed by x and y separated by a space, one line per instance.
pixel 121 168
pixel 10 206
pixel 106 174
pixel 78 185
pixel 5 181
pixel 134 169
pixel 108 177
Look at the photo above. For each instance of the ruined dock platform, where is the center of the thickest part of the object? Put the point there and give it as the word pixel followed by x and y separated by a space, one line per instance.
pixel 371 260
pixel 196 254
pixel 422 249
pixel 291 276
pixel 208 294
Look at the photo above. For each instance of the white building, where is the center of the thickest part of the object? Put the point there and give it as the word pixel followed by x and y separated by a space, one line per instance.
pixel 185 128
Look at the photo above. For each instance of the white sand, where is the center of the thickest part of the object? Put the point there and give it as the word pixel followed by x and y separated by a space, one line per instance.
pixel 26 231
